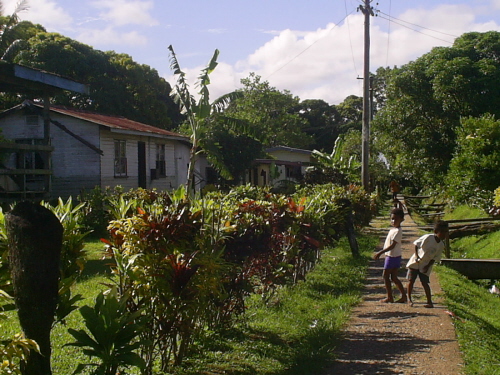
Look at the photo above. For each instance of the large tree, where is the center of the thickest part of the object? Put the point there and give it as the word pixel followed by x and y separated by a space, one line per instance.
pixel 426 99
pixel 323 123
pixel 118 85
pixel 13 32
pixel 273 114
pixel 475 168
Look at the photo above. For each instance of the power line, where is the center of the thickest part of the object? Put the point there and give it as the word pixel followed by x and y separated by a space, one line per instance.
pixel 305 49
pixel 417 31
pixel 388 36
pixel 350 39
pixel 392 19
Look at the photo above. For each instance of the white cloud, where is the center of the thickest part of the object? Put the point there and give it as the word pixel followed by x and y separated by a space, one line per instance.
pixel 125 12
pixel 217 31
pixel 45 12
pixel 110 36
pixel 325 64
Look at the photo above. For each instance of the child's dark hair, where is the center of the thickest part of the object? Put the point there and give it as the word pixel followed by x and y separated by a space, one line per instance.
pixel 398 212
pixel 441 226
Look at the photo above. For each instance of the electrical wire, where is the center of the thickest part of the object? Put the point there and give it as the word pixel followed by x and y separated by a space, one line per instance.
pixel 350 40
pixel 417 31
pixel 391 19
pixel 305 49
pixel 388 36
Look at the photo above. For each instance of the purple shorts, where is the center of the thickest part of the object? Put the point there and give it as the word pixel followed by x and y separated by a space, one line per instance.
pixel 392 262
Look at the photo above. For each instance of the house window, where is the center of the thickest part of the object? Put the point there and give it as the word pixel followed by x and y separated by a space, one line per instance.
pixel 120 158
pixel 294 172
pixel 211 174
pixel 161 166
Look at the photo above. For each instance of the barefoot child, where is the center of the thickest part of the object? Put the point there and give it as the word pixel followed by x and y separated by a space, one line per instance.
pixel 392 248
pixel 428 250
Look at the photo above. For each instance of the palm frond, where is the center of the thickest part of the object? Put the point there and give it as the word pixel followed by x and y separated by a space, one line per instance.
pixel 13 49
pixel 204 77
pixel 221 103
pixel 214 157
pixel 239 126
pixel 181 94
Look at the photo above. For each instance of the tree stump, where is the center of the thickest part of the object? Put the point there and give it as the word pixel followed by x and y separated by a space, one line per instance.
pixel 35 241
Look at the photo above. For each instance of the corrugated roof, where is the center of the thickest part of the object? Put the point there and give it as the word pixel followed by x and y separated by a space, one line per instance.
pixel 290 149
pixel 114 122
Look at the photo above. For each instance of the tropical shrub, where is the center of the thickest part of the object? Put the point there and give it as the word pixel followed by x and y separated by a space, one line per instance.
pixel 95 212
pixel 113 332
pixel 12 350
pixel 165 259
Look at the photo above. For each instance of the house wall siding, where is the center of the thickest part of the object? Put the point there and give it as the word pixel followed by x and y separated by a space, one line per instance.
pixel 76 166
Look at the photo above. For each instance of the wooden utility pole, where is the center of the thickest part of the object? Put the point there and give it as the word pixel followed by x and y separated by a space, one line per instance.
pixel 365 141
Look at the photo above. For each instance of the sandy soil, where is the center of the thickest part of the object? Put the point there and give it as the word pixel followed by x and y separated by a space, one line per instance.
pixel 394 338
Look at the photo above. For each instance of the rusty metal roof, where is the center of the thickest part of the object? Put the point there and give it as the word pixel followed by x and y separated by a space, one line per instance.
pixel 114 122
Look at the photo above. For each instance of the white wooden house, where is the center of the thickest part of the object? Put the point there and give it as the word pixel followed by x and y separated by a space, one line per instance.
pixel 285 164
pixel 81 150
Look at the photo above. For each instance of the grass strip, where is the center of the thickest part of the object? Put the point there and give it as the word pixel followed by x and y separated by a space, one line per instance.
pixel 297 331
pixel 476 319
pixel 476 310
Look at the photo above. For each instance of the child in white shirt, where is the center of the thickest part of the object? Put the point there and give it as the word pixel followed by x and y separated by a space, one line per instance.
pixel 392 250
pixel 428 250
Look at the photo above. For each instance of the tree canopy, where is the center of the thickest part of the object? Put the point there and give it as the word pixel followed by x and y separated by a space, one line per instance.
pixel 272 114
pixel 118 84
pixel 426 98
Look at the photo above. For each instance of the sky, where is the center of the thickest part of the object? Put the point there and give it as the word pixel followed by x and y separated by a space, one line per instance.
pixel 312 48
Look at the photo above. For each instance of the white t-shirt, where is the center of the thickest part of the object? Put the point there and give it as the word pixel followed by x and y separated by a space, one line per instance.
pixel 394 235
pixel 428 249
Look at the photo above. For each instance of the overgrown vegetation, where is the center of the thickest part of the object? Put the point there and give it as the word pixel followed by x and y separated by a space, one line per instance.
pixel 187 269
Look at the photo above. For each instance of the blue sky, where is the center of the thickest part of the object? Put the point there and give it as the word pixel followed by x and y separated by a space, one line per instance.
pixel 312 48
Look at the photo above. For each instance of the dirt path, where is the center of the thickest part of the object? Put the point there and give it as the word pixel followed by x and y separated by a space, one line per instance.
pixel 397 338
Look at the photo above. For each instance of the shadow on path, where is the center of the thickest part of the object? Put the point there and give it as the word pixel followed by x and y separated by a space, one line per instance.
pixel 394 338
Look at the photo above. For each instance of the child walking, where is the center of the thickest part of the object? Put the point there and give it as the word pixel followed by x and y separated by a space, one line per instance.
pixel 392 250
pixel 428 250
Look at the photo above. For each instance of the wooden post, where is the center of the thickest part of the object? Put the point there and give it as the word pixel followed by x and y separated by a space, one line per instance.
pixel 447 250
pixel 349 226
pixel 35 240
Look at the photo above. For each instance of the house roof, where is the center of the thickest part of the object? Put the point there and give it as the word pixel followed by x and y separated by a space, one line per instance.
pixel 114 123
pixel 289 149
pixel 22 79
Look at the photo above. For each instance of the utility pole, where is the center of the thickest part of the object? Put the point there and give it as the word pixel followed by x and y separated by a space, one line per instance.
pixel 367 10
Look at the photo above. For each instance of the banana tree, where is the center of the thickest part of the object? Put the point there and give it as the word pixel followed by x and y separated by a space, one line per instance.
pixel 200 112
pixel 336 161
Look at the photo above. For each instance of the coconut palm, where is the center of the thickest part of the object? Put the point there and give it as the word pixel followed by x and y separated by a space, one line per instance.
pixel 11 31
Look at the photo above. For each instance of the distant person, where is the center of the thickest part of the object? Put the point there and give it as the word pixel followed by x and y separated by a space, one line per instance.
pixel 392 250
pixel 394 187
pixel 428 250
pixel 397 204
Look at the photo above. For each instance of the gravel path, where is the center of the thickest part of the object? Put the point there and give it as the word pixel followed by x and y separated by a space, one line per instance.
pixel 396 338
